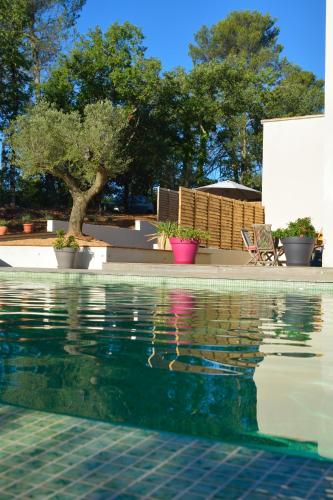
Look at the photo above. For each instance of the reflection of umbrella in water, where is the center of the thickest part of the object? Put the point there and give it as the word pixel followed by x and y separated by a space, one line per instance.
pixel 233 190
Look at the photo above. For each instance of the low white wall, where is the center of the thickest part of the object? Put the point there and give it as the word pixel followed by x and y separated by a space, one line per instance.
pixel 293 168
pixel 44 257
pixel 134 238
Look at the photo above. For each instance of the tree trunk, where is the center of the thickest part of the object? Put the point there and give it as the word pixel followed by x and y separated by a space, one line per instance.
pixel 78 213
pixel 12 185
pixel 202 158
pixel 3 172
pixel 36 72
pixel 81 200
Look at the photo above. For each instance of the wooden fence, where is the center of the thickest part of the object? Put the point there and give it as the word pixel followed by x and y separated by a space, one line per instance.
pixel 167 205
pixel 222 217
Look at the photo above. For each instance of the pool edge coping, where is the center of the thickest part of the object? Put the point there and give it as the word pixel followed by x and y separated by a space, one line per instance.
pixel 188 279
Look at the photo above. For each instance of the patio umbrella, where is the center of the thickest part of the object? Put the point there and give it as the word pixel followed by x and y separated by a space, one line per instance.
pixel 233 190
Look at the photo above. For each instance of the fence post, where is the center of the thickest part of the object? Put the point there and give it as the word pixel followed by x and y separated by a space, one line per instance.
pixel 158 204
pixel 180 206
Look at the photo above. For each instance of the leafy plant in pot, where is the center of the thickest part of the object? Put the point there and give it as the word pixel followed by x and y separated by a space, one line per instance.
pixel 184 240
pixel 65 250
pixel 298 240
pixel 3 227
pixel 27 223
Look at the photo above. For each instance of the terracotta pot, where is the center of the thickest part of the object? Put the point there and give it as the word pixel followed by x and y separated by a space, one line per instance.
pixel 28 227
pixel 184 251
pixel 3 230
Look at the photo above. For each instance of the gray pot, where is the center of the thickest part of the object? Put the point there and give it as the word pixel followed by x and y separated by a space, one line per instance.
pixel 65 258
pixel 298 250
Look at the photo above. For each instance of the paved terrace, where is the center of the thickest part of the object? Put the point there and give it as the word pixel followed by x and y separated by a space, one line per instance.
pixel 44 455
pixel 211 272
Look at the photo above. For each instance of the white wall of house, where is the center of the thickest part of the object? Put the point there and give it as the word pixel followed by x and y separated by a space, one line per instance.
pixel 293 169
pixel 328 162
pixel 298 162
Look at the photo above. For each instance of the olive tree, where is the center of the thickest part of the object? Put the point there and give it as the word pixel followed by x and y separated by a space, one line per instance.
pixel 82 150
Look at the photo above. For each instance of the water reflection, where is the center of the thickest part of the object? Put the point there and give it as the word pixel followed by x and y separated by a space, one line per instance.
pixel 227 365
pixel 205 336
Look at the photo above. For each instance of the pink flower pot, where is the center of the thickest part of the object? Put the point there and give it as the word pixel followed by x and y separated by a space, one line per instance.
pixel 184 251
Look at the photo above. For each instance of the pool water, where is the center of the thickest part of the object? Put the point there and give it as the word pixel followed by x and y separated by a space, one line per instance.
pixel 246 366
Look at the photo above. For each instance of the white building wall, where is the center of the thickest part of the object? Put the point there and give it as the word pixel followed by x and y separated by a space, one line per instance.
pixel 293 167
pixel 328 161
pixel 298 162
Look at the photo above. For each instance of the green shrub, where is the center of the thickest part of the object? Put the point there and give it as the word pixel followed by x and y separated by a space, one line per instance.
pixel 172 230
pixel 300 227
pixel 3 222
pixel 26 219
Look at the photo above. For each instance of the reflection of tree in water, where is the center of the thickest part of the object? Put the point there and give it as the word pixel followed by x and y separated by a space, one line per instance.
pixel 146 356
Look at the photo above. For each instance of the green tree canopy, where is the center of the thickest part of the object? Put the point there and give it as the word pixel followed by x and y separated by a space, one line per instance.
pixel 14 84
pixel 108 65
pixel 83 151
pixel 185 126
pixel 32 33
pixel 239 62
pixel 247 34
pixel 14 79
pixel 113 65
pixel 48 23
pixel 298 93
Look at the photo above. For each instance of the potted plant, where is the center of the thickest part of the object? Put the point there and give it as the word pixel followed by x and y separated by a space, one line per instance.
pixel 184 240
pixel 3 227
pixel 163 230
pixel 298 240
pixel 65 249
pixel 27 224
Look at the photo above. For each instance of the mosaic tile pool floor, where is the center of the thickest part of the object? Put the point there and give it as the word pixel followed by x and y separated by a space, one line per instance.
pixel 44 455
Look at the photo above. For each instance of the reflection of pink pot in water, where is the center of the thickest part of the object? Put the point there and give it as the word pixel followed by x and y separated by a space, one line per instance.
pixel 181 303
pixel 184 251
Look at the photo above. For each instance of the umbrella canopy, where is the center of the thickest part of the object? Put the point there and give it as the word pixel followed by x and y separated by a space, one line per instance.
pixel 233 190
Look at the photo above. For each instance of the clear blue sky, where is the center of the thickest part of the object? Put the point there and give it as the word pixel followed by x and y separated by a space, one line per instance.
pixel 169 25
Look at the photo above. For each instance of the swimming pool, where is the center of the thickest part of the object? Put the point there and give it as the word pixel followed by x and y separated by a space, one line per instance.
pixel 248 366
